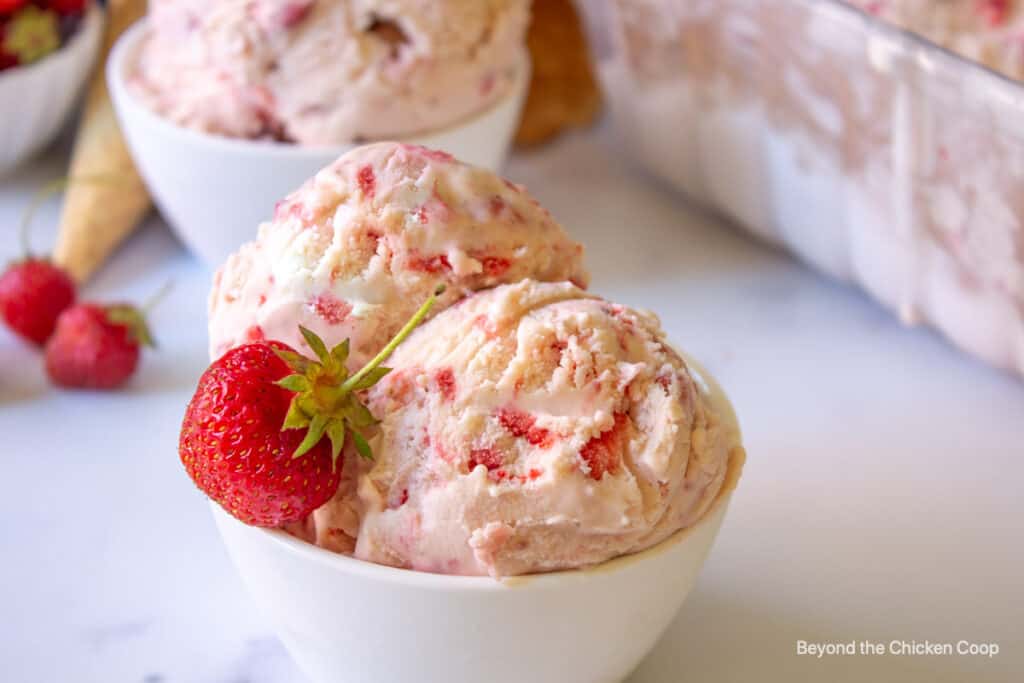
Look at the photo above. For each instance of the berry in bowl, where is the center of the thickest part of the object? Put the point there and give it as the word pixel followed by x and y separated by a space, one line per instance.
pixel 46 51
pixel 536 472
pixel 227 106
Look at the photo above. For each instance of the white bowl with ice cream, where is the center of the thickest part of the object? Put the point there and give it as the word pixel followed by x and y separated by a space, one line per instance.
pixel 346 620
pixel 215 189
pixel 547 475
pixel 532 432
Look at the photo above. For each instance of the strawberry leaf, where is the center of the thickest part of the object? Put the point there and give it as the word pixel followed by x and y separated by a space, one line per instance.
pixel 358 416
pixel 313 436
pixel 308 403
pixel 316 344
pixel 325 400
pixel 361 446
pixel 296 417
pixel 340 353
pixel 296 383
pixel 370 378
pixel 336 434
pixel 134 320
pixel 297 362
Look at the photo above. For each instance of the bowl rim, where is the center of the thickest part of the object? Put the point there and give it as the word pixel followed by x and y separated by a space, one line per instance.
pixel 92 24
pixel 128 44
pixel 913 40
pixel 345 564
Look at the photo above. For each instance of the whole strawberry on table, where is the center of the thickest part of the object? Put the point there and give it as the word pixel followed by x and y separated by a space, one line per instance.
pixel 33 293
pixel 32 29
pixel 96 346
pixel 87 345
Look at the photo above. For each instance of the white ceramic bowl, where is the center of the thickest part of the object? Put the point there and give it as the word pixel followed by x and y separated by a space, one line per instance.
pixel 35 100
pixel 214 191
pixel 345 620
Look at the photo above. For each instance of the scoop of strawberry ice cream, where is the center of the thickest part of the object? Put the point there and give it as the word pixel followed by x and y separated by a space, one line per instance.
pixel 356 250
pixel 327 72
pixel 532 427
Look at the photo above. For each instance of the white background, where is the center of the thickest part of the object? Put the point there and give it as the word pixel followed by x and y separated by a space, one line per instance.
pixel 882 497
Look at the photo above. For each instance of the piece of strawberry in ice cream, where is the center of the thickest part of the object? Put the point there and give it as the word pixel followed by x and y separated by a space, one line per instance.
pixel 355 250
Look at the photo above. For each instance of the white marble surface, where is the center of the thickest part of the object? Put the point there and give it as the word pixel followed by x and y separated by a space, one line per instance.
pixel 882 497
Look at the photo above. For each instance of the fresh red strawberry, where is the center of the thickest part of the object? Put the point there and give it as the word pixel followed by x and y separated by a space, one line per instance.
pixel 253 434
pixel 234 448
pixel 7 61
pixel 96 347
pixel 11 6
pixel 33 292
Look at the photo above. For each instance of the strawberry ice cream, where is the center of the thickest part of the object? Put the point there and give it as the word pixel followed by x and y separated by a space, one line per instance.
pixel 986 31
pixel 324 72
pixel 355 251
pixel 530 428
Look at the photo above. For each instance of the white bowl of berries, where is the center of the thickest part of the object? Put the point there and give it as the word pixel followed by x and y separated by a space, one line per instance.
pixel 47 48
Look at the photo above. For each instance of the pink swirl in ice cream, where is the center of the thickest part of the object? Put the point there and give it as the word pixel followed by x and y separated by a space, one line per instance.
pixel 532 427
pixel 322 72
pixel 361 245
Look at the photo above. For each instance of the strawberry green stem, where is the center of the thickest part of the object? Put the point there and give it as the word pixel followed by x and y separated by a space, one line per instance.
pixel 159 295
pixel 393 344
pixel 44 193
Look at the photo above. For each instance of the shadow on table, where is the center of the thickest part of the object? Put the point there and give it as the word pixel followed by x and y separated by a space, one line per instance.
pixel 11 394
pixel 22 373
pixel 173 372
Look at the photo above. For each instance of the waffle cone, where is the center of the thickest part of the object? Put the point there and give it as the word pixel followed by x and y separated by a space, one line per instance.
pixel 105 207
pixel 564 92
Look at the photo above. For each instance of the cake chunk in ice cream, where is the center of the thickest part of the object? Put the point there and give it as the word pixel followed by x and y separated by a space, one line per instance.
pixel 531 427
pixel 360 246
